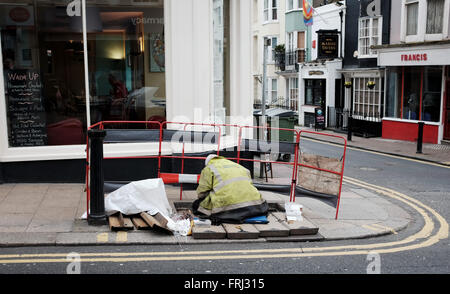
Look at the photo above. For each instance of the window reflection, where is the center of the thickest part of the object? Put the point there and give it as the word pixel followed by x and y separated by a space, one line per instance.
pixel 43 64
pixel 126 63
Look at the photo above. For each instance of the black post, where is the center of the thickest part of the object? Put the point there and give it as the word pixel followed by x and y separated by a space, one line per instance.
pixel 349 127
pixel 350 115
pixel 420 137
pixel 97 215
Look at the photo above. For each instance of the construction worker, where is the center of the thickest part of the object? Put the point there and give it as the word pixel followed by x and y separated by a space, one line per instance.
pixel 226 193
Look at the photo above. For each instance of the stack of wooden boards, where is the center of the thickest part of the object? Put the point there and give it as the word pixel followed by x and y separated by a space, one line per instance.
pixel 142 221
pixel 278 227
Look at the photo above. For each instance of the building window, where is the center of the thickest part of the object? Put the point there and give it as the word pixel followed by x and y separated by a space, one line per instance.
pixel 412 17
pixel 315 92
pixel 294 5
pixel 272 90
pixel 270 10
pixel 414 93
pixel 435 16
pixel 271 49
pixel 293 93
pixel 367 102
pixel 425 20
pixel 369 35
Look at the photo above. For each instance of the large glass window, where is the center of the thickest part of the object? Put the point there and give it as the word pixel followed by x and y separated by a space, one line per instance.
pixel 126 62
pixel 43 62
pixel 414 93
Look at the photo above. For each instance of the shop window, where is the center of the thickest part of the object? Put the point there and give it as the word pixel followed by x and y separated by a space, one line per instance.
pixel 315 92
pixel 367 99
pixel 414 93
pixel 43 61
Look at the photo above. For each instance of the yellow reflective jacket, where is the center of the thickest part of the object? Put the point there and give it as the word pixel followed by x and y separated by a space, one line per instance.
pixel 226 193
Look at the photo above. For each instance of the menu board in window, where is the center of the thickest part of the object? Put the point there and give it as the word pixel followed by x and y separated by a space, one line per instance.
pixel 27 119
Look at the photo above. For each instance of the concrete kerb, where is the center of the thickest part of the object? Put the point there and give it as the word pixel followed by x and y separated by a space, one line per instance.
pixel 329 230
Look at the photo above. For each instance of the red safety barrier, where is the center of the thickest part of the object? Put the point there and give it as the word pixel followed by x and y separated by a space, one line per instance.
pixel 171 178
pixel 338 173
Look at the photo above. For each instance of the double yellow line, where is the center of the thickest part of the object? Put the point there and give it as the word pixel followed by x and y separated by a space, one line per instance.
pixel 421 239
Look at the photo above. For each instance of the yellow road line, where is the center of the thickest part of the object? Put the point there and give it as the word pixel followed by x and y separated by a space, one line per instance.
pixel 102 238
pixel 424 233
pixel 379 153
pixel 386 228
pixel 121 237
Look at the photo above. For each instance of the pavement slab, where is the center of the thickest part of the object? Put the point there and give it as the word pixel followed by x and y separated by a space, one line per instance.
pixel 50 214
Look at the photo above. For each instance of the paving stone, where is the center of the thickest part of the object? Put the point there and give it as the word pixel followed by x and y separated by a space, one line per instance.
pixel 26 238
pixel 304 227
pixel 273 229
pixel 241 231
pixel 208 232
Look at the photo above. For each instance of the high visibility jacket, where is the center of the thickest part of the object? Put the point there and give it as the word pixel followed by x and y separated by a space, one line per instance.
pixel 226 193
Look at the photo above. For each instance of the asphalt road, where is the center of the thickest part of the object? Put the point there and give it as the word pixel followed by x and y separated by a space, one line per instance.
pixel 427 183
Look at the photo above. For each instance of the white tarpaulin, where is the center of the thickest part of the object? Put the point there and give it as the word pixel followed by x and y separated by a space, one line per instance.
pixel 136 197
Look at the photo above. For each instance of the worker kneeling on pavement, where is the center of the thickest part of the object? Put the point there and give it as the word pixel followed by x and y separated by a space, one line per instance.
pixel 226 193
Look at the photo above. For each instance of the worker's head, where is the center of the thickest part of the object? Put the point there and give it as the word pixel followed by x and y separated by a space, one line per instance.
pixel 211 156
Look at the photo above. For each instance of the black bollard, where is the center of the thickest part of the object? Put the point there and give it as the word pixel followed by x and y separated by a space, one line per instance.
pixel 97 215
pixel 349 128
pixel 420 138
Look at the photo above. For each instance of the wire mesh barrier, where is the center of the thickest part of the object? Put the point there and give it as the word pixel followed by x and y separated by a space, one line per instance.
pixel 179 149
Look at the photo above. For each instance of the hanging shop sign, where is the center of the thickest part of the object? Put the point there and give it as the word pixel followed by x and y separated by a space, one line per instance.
pixel 328 45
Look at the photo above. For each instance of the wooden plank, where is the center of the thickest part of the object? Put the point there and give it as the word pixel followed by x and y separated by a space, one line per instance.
pixel 273 229
pixel 210 232
pixel 241 231
pixel 296 228
pixel 150 220
pixel 127 223
pixel 114 224
pixel 139 223
pixel 162 221
pixel 155 221
pixel 120 218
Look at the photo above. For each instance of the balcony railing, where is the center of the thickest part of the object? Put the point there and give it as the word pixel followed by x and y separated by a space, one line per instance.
pixel 289 60
pixel 290 105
